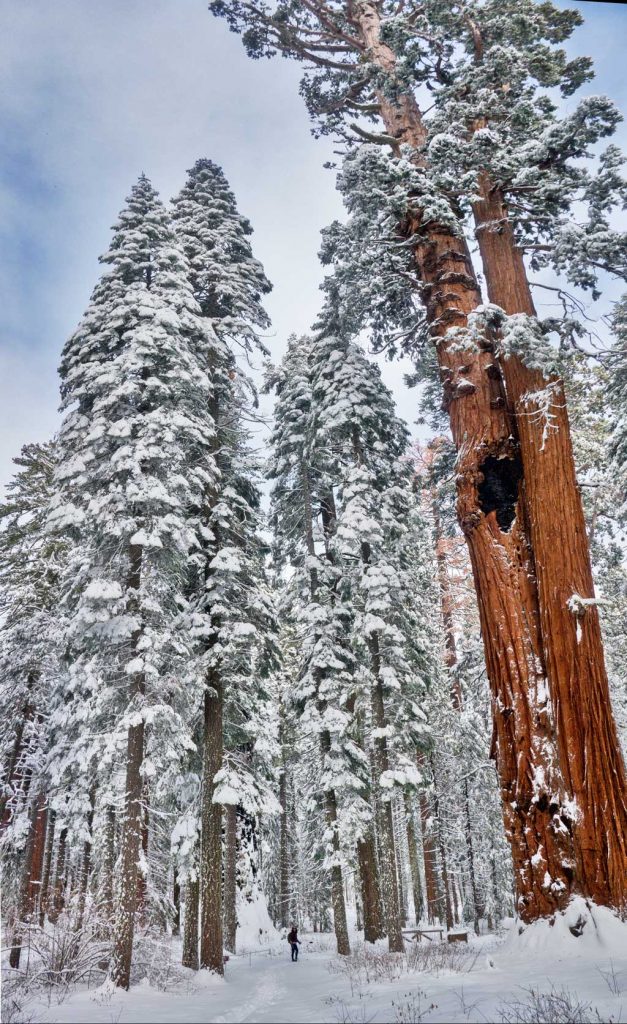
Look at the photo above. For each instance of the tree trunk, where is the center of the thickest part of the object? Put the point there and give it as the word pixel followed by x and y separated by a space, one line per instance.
pixel 284 863
pixel 442 851
pixel 211 942
pixel 126 897
pixel 176 901
pixel 330 802
pixel 590 756
pixel 86 862
pixel 142 873
pixel 57 897
pixel 190 926
pixel 535 815
pixel 30 875
pixel 14 757
pixel 108 865
pixel 47 868
pixel 412 845
pixel 370 893
pixel 446 604
pixel 230 877
pixel 130 844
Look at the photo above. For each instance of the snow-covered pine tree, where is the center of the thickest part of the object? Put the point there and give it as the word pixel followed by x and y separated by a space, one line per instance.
pixel 380 552
pixel 134 457
pixel 365 60
pixel 303 521
pixel 233 616
pixel 30 567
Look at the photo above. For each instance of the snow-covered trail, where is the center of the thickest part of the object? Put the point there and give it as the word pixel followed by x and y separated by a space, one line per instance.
pixel 263 988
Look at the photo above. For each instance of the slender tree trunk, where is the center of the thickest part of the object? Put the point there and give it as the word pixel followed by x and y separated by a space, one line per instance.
pixel 590 756
pixel 126 897
pixel 47 868
pixel 142 874
pixel 330 801
pixel 211 941
pixel 190 926
pixel 446 603
pixel 130 845
pixel 108 862
pixel 370 893
pixel 12 773
pixel 30 875
pixel 57 897
pixel 230 877
pixel 442 851
pixel 284 855
pixel 176 901
pixel 37 862
pixel 85 869
pixel 412 845
pixel 535 814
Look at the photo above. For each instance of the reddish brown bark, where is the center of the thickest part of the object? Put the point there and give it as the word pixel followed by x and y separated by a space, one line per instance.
pixel 230 877
pixel 591 761
pixel 503 571
pixel 47 868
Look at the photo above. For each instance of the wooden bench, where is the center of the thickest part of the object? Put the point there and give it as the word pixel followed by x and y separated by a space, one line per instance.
pixel 416 934
pixel 457 936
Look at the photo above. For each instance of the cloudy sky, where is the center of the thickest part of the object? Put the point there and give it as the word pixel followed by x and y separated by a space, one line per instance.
pixel 92 93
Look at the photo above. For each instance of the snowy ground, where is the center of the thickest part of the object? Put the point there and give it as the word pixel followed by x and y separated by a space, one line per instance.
pixel 488 978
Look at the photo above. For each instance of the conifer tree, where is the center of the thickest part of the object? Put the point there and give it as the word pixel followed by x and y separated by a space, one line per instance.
pixel 364 61
pixel 233 614
pixel 128 474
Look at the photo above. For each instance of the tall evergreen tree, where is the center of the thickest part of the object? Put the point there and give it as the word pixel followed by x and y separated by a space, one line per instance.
pixel 483 61
pixel 134 457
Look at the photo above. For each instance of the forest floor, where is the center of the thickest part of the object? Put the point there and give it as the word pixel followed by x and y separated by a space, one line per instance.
pixel 492 979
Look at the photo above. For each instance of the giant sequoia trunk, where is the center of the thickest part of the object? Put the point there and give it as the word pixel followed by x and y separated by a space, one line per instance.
pixel 592 765
pixel 126 901
pixel 414 866
pixel 211 943
pixel 489 473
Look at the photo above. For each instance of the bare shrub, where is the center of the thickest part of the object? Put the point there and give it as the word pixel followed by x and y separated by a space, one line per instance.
pixel 14 997
pixel 413 1008
pixel 64 955
pixel 554 1007
pixel 153 960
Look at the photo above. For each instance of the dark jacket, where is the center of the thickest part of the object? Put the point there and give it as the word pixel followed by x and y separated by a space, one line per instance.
pixel 293 936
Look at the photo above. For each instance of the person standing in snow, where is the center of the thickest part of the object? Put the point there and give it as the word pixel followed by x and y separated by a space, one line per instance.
pixel 294 942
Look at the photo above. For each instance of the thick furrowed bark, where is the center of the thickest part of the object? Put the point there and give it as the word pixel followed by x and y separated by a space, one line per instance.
pixel 190 926
pixel 211 942
pixel 30 875
pixel 590 757
pixel 230 877
pixel 370 893
pixel 503 570
pixel 126 897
